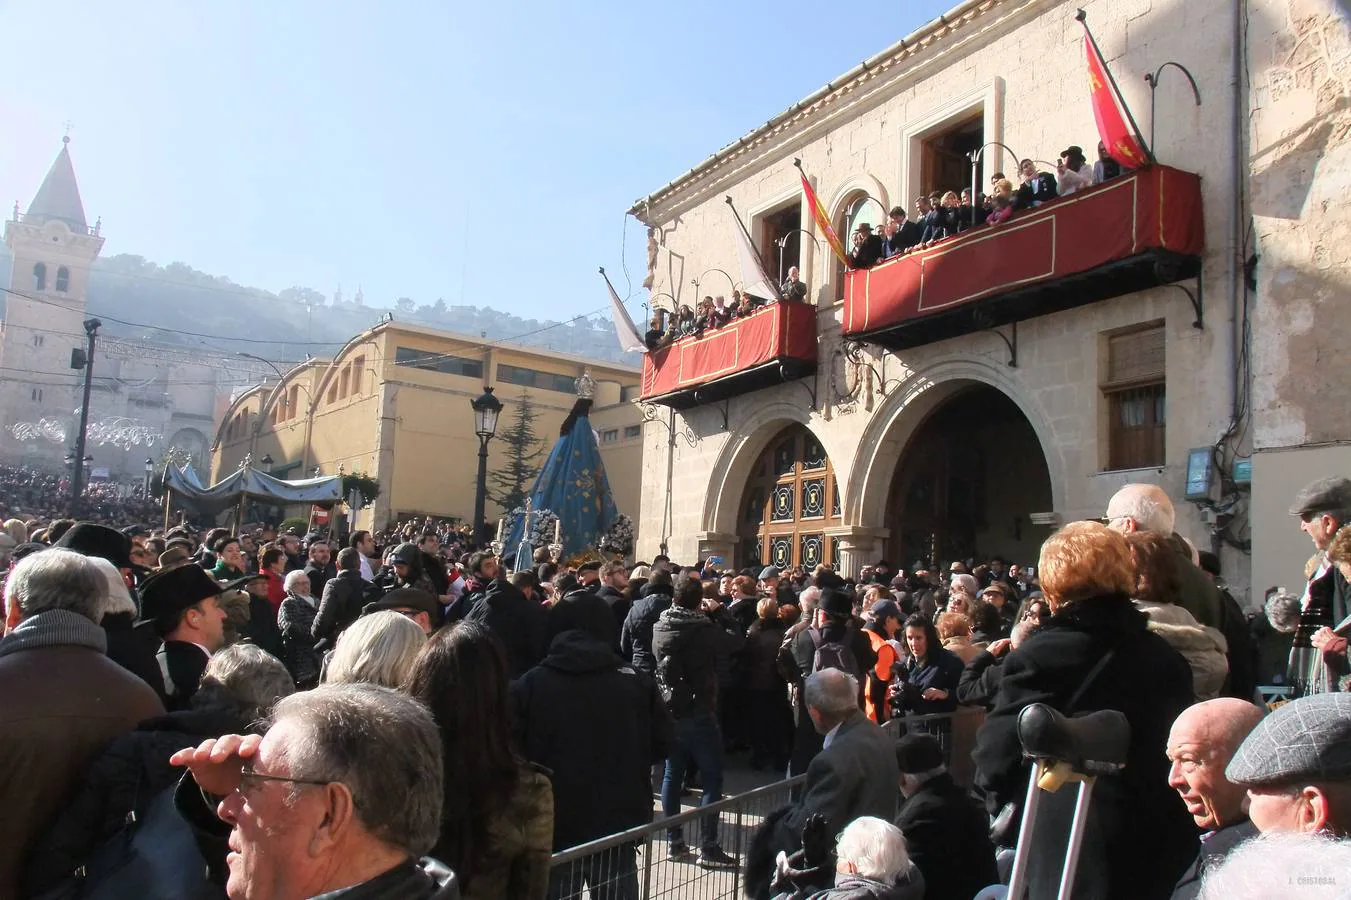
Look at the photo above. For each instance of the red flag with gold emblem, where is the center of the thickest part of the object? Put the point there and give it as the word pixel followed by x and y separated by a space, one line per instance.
pixel 822 217
pixel 1116 134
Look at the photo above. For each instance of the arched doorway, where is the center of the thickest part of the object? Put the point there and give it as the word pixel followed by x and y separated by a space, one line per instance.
pixel 790 500
pixel 967 483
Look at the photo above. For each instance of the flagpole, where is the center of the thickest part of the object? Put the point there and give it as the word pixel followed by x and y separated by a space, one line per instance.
pixel 1082 18
pixel 778 289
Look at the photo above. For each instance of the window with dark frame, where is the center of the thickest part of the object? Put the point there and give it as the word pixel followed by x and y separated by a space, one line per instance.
pixel 1136 397
pixel 547 381
pixel 444 363
pixel 633 431
pixel 62 280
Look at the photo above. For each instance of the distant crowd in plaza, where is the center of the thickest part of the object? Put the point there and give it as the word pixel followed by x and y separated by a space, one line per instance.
pixel 279 715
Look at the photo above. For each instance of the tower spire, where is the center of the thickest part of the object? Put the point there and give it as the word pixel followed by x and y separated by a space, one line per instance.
pixel 59 196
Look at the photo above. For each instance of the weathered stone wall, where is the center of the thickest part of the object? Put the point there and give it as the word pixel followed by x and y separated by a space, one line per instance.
pixel 1024 62
pixel 1300 158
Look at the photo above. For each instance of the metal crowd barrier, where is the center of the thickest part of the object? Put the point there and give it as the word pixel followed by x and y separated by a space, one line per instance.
pixel 634 864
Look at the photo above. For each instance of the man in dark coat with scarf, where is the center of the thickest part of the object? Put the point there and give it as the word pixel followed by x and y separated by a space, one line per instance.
pixel 512 616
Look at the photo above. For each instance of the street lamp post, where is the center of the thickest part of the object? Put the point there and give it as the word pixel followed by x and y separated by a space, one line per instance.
pixel 267 463
pixel 149 471
pixel 486 410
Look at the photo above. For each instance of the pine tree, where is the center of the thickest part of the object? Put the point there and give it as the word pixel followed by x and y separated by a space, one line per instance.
pixel 508 485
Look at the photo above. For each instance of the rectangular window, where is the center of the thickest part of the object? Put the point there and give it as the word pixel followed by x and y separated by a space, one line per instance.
pixel 1136 397
pixel 633 431
pixel 548 381
pixel 609 436
pixel 630 392
pixel 444 363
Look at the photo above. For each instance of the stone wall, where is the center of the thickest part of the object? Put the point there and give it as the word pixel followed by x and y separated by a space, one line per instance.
pixel 1300 159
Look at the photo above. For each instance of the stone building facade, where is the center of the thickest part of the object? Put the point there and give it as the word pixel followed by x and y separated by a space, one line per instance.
pixel 146 396
pixel 954 447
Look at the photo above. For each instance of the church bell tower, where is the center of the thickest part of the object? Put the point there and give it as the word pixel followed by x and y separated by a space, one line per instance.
pixel 53 248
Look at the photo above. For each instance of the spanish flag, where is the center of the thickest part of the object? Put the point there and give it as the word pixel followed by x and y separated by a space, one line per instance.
pixel 1121 140
pixel 822 217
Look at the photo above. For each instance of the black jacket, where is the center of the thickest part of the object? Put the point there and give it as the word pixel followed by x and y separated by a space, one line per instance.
pixel 1039 190
pixel 134 649
pixel 635 638
pixel 1140 836
pixel 319 576
pixel 517 620
pixel 434 567
pixel 182 664
pixel 947 834
pixel 261 628
pixel 979 683
pixel 592 720
pixel 339 606
pixel 866 254
pixel 701 642
pixel 1214 850
pixel 619 606
pixel 908 236
pixel 127 777
pixel 295 623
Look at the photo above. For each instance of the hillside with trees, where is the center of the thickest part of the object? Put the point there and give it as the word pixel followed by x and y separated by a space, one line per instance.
pixel 178 304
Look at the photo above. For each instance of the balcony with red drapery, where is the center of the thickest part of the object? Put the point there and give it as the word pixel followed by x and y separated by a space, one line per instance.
pixel 774 344
pixel 1134 232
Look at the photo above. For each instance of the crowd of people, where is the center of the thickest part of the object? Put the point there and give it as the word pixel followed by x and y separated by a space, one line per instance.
pixel 267 717
pixel 30 493
pixel 715 312
pixel 938 215
pixel 943 214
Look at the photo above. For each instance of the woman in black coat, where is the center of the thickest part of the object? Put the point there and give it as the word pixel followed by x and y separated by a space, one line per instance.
pixel 240 685
pixel 929 676
pixel 1140 838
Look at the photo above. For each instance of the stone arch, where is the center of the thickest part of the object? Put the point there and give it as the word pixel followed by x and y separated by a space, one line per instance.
pixel 903 412
pixel 733 464
pixel 858 183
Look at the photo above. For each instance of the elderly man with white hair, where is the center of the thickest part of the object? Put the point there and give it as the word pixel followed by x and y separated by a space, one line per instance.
pixel 64 700
pixel 1146 507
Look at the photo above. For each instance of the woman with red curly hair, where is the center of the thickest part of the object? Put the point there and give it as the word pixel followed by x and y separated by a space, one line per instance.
pixel 1140 838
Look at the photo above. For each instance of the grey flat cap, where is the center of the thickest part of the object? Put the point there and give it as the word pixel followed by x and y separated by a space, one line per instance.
pixel 1324 495
pixel 1306 740
pixel 769 572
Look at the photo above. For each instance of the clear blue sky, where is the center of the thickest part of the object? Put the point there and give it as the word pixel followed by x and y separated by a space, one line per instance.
pixel 483 152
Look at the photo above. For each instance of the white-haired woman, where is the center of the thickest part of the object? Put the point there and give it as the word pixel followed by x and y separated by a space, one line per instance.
pixel 871 863
pixel 377 649
pixel 295 620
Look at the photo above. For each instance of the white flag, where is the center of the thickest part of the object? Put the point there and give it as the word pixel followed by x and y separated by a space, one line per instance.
pixel 629 339
pixel 754 281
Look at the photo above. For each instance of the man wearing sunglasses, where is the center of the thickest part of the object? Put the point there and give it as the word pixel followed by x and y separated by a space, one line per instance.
pixel 324 804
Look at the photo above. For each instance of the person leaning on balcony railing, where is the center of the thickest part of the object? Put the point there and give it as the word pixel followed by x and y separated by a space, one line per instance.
pixel 969 214
pixel 1106 168
pixel 1074 173
pixel 793 287
pixel 900 234
pixel 867 247
pixel 1036 188
pixel 1001 203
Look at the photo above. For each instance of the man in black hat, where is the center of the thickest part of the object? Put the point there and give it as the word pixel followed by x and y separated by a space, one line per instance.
pixel 946 832
pixel 182 604
pixel 420 606
pixel 90 539
pixel 588 575
pixel 821 644
pixel 867 248
pixel 1323 507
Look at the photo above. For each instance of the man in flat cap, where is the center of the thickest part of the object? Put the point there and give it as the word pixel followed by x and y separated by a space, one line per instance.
pixel 1323 508
pixel 1296 765
pixel 183 605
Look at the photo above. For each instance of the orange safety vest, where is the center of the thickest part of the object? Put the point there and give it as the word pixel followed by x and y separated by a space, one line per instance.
pixel 881 672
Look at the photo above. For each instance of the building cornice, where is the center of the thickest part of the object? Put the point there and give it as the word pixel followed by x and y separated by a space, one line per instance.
pixel 870 82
